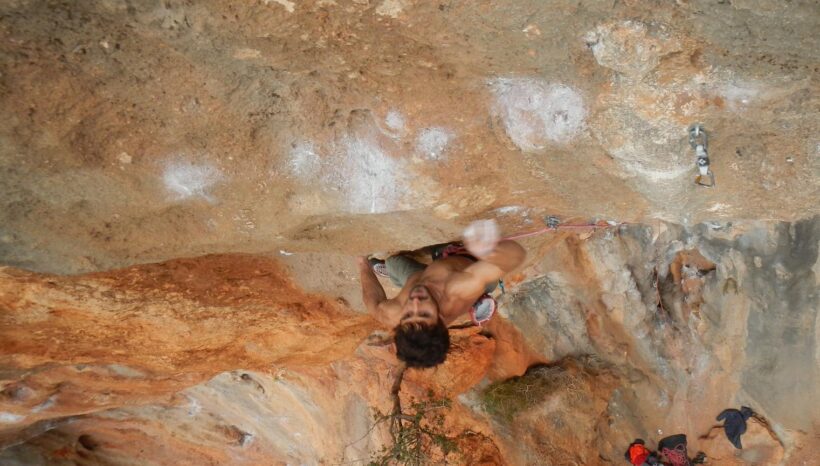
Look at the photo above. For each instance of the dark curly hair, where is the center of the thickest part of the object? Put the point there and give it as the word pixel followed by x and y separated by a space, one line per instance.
pixel 422 345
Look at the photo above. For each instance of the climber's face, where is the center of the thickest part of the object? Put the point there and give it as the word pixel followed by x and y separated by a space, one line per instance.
pixel 420 307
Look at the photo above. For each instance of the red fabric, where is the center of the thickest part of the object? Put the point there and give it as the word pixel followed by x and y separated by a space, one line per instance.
pixel 638 454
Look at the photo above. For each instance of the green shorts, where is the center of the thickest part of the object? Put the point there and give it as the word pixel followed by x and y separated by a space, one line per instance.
pixel 400 268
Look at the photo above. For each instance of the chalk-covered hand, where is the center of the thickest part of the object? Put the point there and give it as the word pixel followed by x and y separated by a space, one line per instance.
pixel 481 237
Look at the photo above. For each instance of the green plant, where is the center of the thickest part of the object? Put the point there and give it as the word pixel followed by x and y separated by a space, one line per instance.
pixel 417 436
pixel 506 398
pixel 417 433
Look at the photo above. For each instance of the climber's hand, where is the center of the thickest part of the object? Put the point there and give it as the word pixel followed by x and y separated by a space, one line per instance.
pixel 481 238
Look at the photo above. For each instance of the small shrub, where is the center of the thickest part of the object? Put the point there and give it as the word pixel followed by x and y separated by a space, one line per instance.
pixel 506 398
pixel 418 436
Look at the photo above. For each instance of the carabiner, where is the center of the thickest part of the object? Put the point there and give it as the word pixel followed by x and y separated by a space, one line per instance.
pixel 710 176
pixel 696 130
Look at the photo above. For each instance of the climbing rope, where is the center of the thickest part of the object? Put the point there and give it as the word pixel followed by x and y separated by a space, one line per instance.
pixel 676 456
pixel 552 225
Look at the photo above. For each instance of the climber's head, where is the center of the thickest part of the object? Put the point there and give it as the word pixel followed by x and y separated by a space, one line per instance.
pixel 421 338
pixel 422 345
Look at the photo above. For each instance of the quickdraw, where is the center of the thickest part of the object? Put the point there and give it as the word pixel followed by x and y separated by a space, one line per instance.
pixel 699 141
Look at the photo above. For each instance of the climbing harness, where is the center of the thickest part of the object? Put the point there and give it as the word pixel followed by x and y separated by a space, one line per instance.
pixel 699 141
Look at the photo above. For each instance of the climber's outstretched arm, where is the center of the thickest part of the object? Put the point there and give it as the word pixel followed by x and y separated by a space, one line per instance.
pixel 386 311
pixel 482 239
pixel 504 258
pixel 496 258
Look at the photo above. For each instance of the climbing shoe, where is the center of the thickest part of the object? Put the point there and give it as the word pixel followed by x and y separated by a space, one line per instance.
pixel 483 309
pixel 379 267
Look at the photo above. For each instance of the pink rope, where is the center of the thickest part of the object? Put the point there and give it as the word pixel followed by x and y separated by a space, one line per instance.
pixel 450 250
pixel 562 227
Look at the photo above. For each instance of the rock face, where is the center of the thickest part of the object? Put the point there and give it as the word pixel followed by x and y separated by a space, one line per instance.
pixel 184 186
pixel 212 360
pixel 149 130
pixel 636 331
pixel 691 321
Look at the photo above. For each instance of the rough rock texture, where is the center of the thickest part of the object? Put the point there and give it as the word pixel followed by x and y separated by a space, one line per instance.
pixel 188 157
pixel 747 334
pixel 213 360
pixel 220 359
pixel 148 130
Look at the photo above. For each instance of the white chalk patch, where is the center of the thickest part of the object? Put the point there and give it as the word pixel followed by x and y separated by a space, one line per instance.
pixel 630 47
pixel 10 418
pixel 194 407
pixel 358 172
pixel 45 405
pixel 247 54
pixel 125 371
pixel 394 125
pixel 536 113
pixel 394 120
pixel 391 8
pixel 368 178
pixel 631 163
pixel 658 176
pixel 510 209
pixel 304 161
pixel 717 207
pixel 285 3
pixel 739 95
pixel 654 175
pixel 432 142
pixel 285 253
pixel 531 30
pixel 187 180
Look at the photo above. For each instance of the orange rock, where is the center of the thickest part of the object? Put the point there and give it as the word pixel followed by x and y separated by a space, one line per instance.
pixel 86 343
pixel 467 362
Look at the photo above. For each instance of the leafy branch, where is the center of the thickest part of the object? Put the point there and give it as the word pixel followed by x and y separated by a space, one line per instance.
pixel 417 435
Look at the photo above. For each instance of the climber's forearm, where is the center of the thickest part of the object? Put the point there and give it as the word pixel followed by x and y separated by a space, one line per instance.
pixel 372 291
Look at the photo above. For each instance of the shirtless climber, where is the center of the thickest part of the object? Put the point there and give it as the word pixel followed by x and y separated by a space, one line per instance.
pixel 433 296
